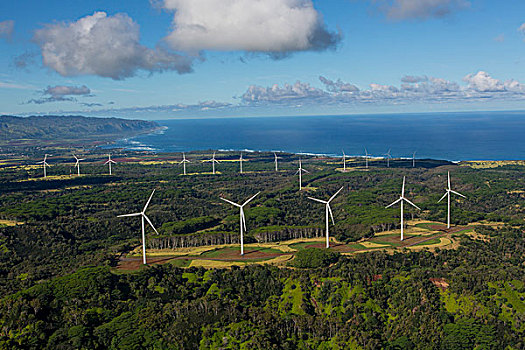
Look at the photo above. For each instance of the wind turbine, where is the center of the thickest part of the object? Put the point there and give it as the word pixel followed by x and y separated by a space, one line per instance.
pixel 109 161
pixel 213 161
pixel 240 162
pixel 414 159
pixel 275 161
pixel 184 161
pixel 242 219
pixel 388 157
pixel 401 199
pixel 44 164
pixel 328 211
pixel 344 161
pixel 143 217
pixel 447 194
pixel 77 164
pixel 300 172
pixel 366 157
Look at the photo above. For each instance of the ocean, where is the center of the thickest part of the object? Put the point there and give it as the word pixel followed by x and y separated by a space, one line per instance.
pixel 448 136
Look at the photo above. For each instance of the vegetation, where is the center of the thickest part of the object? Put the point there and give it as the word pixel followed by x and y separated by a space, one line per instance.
pixel 62 245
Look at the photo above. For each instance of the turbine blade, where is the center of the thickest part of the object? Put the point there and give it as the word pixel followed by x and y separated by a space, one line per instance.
pixel 243 219
pixel 412 204
pixel 403 188
pixel 318 200
pixel 443 197
pixel 306 171
pixel 459 194
pixel 126 215
pixel 149 200
pixel 330 211
pixel 149 222
pixel 391 204
pixel 448 174
pixel 249 200
pixel 335 194
pixel 232 203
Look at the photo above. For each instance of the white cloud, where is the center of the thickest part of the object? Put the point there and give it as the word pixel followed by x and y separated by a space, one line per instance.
pixel 286 94
pixel 421 9
pixel 6 29
pixel 338 86
pixel 480 86
pixel 483 82
pixel 269 26
pixel 103 45
pixel 60 93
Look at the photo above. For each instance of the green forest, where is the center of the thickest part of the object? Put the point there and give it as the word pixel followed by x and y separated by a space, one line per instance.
pixel 61 246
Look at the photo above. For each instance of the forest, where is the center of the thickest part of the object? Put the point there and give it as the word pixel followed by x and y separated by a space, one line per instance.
pixel 61 241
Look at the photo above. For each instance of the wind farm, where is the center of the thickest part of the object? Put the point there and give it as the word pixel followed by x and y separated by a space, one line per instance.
pixel 249 174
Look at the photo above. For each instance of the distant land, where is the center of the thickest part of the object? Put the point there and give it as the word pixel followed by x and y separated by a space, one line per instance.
pixel 45 130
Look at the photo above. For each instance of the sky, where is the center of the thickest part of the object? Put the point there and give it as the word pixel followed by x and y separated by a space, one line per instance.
pixel 163 59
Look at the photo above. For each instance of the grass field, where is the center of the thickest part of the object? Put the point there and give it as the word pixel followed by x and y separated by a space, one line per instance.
pixel 418 235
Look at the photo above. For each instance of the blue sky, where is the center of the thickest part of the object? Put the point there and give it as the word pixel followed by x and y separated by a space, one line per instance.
pixel 210 58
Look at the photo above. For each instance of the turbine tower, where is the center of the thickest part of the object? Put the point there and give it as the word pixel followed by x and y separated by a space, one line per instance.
pixel 275 161
pixel 447 194
pixel 77 164
pixel 366 157
pixel 44 164
pixel 388 157
pixel 328 212
pixel 344 161
pixel 184 161
pixel 414 159
pixel 401 199
pixel 240 163
pixel 242 217
pixel 213 161
pixel 109 161
pixel 300 172
pixel 143 216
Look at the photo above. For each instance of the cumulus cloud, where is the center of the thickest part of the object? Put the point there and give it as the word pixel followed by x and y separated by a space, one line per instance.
pixel 413 89
pixel 421 9
pixel 60 93
pixel 275 27
pixel 103 45
pixel 338 86
pixel 6 29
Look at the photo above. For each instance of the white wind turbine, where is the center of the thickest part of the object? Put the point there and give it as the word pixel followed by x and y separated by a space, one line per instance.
pixel 344 160
pixel 366 157
pixel 300 172
pixel 213 161
pixel 401 199
pixel 109 162
pixel 184 161
pixel 143 217
pixel 77 164
pixel 240 163
pixel 414 159
pixel 328 212
pixel 388 157
pixel 275 161
pixel 447 194
pixel 44 164
pixel 242 219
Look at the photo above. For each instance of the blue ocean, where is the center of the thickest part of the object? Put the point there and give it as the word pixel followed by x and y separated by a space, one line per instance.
pixel 449 136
